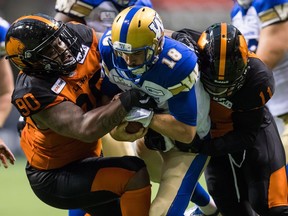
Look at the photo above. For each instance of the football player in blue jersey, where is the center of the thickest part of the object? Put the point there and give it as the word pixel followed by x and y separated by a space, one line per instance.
pixel 98 14
pixel 247 167
pixel 136 54
pixel 6 89
pixel 264 24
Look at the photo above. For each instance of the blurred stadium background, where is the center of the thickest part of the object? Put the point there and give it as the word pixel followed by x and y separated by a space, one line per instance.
pixel 16 196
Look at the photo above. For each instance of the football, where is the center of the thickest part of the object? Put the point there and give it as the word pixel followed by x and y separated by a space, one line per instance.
pixel 133 127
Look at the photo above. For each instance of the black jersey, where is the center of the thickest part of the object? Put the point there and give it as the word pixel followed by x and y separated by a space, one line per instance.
pixel 46 149
pixel 235 121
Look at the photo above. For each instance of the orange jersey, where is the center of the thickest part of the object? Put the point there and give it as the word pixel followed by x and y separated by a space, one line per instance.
pixel 45 149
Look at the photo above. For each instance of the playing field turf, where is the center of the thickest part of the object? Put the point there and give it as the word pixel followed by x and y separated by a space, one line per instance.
pixel 17 198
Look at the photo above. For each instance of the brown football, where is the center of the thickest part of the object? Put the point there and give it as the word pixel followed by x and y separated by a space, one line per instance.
pixel 133 127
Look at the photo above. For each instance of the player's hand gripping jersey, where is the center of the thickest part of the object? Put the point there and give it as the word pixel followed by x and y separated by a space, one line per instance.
pixel 33 94
pixel 99 14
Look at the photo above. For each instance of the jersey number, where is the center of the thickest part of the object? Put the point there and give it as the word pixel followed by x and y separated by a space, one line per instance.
pixel 27 103
pixel 174 55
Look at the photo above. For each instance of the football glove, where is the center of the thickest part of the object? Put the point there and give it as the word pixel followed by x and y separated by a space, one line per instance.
pixel 193 147
pixel 141 115
pixel 186 39
pixel 156 141
pixel 136 98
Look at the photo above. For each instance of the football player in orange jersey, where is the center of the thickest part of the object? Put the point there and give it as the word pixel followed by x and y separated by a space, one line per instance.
pixel 58 91
pixel 247 167
pixel 98 15
pixel 6 89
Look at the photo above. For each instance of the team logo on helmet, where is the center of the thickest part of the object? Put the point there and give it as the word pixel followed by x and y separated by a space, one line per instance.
pixel 15 47
pixel 156 26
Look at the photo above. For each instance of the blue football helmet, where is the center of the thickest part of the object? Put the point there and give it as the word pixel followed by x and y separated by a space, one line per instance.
pixel 136 29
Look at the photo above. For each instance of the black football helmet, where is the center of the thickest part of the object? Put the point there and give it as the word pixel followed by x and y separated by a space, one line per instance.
pixel 33 41
pixel 223 54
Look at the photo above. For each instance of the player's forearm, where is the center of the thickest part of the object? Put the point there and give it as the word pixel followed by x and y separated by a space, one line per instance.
pixel 69 120
pixel 168 126
pixel 273 44
pixel 5 108
pixel 100 121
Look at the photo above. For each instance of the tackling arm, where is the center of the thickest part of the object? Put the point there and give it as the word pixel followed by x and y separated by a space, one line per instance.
pixel 69 119
pixel 246 127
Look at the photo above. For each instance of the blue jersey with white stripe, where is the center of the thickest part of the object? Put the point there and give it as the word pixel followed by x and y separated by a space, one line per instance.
pixel 260 14
pixel 4 25
pixel 96 3
pixel 163 81
pixel 99 14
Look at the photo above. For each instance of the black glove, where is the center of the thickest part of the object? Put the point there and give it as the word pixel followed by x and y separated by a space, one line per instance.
pixel 154 141
pixel 137 98
pixel 186 39
pixel 193 147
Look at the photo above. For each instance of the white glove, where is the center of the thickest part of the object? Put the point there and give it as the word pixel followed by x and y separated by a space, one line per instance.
pixel 141 115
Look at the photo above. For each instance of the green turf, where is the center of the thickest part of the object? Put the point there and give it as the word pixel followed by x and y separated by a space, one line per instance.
pixel 17 198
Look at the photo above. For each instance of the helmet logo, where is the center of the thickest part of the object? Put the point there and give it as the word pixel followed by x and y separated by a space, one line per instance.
pixel 156 26
pixel 14 46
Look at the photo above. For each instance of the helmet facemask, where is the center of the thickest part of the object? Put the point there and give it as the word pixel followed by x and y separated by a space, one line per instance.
pixel 150 54
pixel 136 31
pixel 55 51
pixel 224 59
pixel 221 90
pixel 47 54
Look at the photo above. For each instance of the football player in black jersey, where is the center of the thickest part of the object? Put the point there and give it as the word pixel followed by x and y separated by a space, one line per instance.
pixel 247 167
